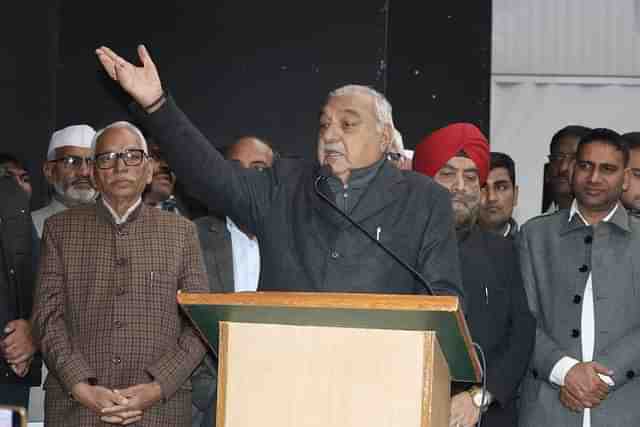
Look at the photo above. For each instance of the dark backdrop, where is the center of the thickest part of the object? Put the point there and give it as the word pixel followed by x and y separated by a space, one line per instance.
pixel 247 67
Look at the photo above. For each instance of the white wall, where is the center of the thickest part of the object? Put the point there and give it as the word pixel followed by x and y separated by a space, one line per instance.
pixel 557 63
pixel 566 37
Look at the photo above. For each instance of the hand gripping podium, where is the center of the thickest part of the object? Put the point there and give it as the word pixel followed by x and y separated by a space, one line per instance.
pixel 323 359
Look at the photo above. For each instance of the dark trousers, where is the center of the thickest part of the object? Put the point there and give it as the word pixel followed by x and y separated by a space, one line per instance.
pixel 14 394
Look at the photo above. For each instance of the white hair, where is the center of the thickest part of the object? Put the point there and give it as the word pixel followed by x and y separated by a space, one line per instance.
pixel 382 106
pixel 396 141
pixel 120 125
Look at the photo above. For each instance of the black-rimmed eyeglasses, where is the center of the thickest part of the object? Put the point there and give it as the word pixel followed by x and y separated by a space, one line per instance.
pixel 73 162
pixel 129 157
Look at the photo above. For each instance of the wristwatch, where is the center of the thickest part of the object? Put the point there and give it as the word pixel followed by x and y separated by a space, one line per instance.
pixel 476 397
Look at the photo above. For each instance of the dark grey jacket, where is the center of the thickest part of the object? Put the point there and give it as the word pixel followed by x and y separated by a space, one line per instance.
pixel 17 272
pixel 304 244
pixel 215 241
pixel 499 318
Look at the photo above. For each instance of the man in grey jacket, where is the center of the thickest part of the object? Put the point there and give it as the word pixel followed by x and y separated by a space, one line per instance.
pixel 581 270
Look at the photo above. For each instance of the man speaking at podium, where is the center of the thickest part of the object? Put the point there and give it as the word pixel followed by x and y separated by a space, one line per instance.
pixel 298 210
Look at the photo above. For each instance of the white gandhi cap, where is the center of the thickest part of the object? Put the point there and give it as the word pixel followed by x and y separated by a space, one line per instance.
pixel 74 136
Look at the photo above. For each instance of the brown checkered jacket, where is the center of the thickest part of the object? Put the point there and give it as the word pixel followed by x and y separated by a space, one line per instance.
pixel 105 308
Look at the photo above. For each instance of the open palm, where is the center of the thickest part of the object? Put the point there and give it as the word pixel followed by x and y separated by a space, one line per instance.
pixel 142 83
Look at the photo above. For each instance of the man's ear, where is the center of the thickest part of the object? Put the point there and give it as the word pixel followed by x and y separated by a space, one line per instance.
pixel 385 143
pixel 148 171
pixel 483 195
pixel 516 190
pixel 626 182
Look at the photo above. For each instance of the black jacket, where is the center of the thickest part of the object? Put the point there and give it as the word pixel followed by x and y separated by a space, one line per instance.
pixel 304 244
pixel 498 317
pixel 17 272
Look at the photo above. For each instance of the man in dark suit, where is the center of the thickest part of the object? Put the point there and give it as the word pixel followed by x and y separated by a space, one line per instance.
pixel 19 365
pixel 499 320
pixel 234 268
pixel 306 245
pixel 232 260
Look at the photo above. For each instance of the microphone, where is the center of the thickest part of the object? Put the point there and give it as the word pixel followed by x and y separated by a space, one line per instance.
pixel 323 174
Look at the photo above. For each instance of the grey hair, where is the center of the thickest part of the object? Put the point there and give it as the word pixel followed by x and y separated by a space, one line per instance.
pixel 382 106
pixel 120 125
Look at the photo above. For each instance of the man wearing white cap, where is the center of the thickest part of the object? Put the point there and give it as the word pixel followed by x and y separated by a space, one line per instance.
pixel 68 171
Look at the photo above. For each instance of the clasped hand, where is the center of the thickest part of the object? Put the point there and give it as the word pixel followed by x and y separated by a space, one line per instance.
pixel 122 407
pixel 583 386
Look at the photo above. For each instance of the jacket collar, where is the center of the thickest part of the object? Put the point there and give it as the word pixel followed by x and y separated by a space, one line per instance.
pixel 573 220
pixel 379 193
pixel 105 214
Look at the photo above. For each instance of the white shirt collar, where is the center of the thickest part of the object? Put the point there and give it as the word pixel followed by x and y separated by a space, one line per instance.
pixel 574 210
pixel 121 219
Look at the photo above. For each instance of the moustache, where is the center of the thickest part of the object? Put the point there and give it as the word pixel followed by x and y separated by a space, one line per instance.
pixel 81 181
pixel 334 147
pixel 465 199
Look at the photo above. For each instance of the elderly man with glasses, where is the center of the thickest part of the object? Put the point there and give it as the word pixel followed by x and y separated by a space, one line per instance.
pixel 105 309
pixel 68 171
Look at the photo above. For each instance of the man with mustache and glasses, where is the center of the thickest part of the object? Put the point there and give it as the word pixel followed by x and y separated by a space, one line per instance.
pixel 631 196
pixel 581 269
pixel 457 157
pixel 118 348
pixel 562 151
pixel 68 171
pixel 305 244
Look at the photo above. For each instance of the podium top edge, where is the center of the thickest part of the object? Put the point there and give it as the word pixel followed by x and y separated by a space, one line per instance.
pixel 324 300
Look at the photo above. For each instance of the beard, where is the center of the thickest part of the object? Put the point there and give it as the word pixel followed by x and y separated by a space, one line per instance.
pixel 75 196
pixel 465 209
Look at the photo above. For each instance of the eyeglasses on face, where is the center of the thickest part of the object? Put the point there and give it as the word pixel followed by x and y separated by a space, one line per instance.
pixel 133 157
pixel 73 162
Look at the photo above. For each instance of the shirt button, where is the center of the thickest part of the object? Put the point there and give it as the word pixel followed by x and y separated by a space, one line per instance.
pixel 120 291
pixel 575 333
pixel 583 268
pixel 588 240
pixel 631 375
pixel 335 255
pixel 121 262
pixel 12 271
pixel 577 299
pixel 117 324
pixel 345 195
pixel 116 360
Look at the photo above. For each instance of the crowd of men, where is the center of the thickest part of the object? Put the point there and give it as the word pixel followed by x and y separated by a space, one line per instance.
pixel 552 303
